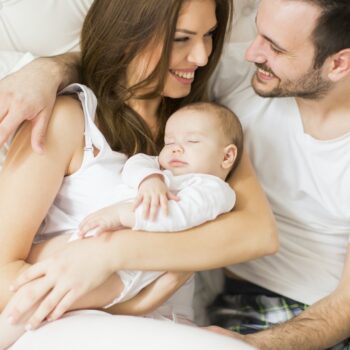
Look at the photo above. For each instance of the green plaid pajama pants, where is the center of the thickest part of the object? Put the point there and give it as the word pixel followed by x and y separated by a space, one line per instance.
pixel 247 308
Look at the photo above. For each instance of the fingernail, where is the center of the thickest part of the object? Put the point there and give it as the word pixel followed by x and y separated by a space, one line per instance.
pixel 28 327
pixel 12 288
pixel 11 320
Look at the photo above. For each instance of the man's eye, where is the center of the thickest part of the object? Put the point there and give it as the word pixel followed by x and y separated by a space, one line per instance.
pixel 275 50
pixel 193 141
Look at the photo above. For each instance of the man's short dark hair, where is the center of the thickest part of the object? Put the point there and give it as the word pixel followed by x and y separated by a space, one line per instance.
pixel 332 31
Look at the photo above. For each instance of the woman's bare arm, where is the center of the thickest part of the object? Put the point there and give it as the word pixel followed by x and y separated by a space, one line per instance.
pixel 28 185
pixel 246 233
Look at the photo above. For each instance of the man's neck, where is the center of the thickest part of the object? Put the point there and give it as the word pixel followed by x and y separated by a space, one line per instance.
pixel 328 117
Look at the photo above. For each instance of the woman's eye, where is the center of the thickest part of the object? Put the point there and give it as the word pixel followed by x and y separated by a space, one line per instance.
pixel 193 141
pixel 181 39
pixel 211 33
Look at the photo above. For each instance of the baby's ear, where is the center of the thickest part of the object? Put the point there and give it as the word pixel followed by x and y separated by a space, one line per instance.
pixel 230 155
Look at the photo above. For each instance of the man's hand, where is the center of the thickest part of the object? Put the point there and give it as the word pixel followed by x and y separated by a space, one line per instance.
pixel 28 94
pixel 154 193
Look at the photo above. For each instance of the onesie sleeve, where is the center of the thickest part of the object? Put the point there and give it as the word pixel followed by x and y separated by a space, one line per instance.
pixel 138 167
pixel 199 202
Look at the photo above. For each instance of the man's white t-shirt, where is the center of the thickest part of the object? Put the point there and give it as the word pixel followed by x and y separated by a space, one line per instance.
pixel 306 181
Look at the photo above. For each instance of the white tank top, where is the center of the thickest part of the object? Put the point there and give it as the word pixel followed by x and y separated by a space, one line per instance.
pixel 93 186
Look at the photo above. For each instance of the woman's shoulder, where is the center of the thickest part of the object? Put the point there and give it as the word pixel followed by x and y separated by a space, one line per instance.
pixel 67 119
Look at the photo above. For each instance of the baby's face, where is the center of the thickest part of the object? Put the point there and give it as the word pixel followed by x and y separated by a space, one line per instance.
pixel 194 143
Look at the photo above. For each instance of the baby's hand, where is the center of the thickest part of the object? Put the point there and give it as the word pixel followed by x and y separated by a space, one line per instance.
pixel 154 193
pixel 106 219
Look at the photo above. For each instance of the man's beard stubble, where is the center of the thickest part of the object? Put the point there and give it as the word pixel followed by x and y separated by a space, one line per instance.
pixel 310 86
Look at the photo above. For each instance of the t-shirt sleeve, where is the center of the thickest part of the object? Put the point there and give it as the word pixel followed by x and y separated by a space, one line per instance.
pixel 11 61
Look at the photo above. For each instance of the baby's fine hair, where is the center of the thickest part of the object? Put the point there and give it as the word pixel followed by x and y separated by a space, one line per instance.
pixel 230 124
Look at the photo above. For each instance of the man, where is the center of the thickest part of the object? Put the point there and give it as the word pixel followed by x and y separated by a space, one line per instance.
pixel 298 137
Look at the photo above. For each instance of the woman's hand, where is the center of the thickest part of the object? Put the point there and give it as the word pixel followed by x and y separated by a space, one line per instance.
pixel 56 283
pixel 154 193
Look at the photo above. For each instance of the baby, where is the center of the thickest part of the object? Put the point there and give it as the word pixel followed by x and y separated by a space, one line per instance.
pixel 203 145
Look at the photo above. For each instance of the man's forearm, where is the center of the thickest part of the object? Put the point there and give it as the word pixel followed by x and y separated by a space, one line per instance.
pixel 321 326
pixel 66 68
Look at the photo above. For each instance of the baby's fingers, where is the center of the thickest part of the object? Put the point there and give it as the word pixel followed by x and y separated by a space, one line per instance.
pixel 172 196
pixel 87 226
pixel 137 202
pixel 154 207
pixel 164 204
pixel 146 207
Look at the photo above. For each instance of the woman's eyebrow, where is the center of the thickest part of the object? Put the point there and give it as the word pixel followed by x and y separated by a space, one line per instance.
pixel 186 31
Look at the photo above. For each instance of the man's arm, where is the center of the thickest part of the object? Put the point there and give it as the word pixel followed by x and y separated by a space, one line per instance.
pixel 30 94
pixel 321 326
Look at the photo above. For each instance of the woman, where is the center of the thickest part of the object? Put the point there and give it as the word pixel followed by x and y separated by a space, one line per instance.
pixel 139 79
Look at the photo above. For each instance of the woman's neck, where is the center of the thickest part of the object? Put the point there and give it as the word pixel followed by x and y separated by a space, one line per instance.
pixel 148 110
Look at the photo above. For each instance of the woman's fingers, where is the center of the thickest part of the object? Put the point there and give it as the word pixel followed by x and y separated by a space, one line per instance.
pixel 51 301
pixel 33 272
pixel 26 298
pixel 63 306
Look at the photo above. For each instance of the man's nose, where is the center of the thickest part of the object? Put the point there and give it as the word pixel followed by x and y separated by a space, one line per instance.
pixel 256 52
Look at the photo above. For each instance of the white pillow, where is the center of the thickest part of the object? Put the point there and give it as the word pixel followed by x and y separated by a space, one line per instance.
pixel 91 330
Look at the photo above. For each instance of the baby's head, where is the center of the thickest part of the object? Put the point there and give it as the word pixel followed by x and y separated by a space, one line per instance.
pixel 202 138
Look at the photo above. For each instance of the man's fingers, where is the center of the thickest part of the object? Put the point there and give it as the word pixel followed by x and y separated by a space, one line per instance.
pixel 39 127
pixel 3 111
pixel 7 127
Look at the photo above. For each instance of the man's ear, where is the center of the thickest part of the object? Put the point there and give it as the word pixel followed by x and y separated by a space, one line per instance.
pixel 339 65
pixel 230 155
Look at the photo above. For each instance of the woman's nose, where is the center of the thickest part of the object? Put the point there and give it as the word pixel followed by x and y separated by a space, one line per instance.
pixel 200 53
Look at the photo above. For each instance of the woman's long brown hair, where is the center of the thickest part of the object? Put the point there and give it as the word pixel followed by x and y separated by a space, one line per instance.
pixel 113 34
